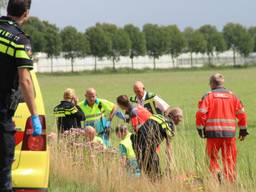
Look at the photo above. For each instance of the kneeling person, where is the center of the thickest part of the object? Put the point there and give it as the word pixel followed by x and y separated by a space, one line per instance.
pixel 94 142
pixel 128 157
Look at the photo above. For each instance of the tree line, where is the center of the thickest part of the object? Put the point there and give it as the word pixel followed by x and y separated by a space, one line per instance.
pixel 111 41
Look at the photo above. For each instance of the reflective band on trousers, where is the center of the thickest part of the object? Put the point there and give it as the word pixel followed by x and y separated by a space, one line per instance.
pixel 220 121
pixel 220 128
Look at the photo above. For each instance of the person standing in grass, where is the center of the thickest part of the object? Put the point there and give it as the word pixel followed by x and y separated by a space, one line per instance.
pixel 68 113
pixel 128 157
pixel 216 121
pixel 153 103
pixel 16 63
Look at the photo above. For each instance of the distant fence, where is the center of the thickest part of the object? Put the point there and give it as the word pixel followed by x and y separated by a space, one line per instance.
pixel 60 64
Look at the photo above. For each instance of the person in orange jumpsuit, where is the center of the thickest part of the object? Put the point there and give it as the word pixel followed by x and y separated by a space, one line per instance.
pixel 216 121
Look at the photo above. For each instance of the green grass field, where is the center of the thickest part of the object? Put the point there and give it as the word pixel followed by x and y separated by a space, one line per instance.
pixel 178 88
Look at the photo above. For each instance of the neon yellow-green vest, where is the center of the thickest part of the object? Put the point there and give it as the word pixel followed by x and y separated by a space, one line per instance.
pixel 92 113
pixel 169 127
pixel 127 143
pixel 149 103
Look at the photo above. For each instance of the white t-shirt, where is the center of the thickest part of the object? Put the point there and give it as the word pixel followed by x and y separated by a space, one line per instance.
pixel 160 103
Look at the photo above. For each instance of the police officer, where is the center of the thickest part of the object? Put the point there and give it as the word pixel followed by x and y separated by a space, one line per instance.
pixel 68 113
pixel 150 101
pixel 15 63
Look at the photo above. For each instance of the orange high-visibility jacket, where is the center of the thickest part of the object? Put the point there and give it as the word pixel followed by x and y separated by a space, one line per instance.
pixel 217 114
pixel 139 115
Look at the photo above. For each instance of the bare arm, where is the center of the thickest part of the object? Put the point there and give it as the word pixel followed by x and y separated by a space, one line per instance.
pixel 27 90
pixel 168 150
pixel 112 113
pixel 170 160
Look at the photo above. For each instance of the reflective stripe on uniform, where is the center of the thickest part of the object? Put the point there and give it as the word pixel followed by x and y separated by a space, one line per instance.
pixel 151 102
pixel 21 54
pixel 59 115
pixel 203 110
pixel 161 121
pixel 18 46
pixel 62 113
pixel 10 48
pixel 220 121
pixel 220 128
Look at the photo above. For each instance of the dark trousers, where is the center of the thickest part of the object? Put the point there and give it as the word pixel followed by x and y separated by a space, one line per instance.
pixel 145 143
pixel 7 147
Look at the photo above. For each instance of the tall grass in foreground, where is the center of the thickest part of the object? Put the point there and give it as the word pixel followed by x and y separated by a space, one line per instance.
pixel 178 88
pixel 75 167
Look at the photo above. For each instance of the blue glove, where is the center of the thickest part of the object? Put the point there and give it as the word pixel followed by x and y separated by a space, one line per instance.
pixel 120 115
pixel 36 125
pixel 108 124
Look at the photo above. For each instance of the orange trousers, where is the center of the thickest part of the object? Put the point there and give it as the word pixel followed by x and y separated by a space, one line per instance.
pixel 229 155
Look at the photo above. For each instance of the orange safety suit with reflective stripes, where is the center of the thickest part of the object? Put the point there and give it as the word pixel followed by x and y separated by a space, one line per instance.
pixel 216 115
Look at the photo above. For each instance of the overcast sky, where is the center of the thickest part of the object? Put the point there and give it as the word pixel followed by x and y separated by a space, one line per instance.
pixel 195 13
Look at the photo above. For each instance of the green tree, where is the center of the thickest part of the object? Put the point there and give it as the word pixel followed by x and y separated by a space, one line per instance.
pixel 121 43
pixel 100 43
pixel 252 31
pixel 238 39
pixel 35 28
pixel 156 41
pixel 138 41
pixel 53 41
pixel 214 40
pixel 175 41
pixel 74 44
pixel 195 42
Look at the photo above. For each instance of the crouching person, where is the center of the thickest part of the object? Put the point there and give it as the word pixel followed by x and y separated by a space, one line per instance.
pixel 128 157
pixel 94 142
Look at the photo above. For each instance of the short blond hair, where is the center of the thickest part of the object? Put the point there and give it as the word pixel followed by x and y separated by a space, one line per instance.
pixel 69 93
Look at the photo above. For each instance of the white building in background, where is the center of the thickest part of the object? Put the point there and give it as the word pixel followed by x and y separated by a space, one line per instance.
pixel 44 64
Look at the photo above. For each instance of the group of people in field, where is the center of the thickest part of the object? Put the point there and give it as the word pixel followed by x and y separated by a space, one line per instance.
pixel 153 121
